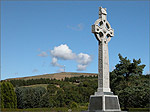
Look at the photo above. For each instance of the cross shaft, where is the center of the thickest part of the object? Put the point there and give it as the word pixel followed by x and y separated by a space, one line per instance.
pixel 103 33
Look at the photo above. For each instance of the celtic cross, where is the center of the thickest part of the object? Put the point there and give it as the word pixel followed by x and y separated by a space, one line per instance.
pixel 103 33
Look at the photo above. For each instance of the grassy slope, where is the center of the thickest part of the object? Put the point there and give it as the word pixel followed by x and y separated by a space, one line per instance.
pixel 64 109
pixel 58 76
pixel 38 85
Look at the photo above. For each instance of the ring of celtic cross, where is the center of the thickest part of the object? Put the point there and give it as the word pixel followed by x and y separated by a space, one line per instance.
pixel 102 30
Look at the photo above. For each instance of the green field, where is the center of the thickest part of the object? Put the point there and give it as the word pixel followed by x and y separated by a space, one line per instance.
pixel 37 85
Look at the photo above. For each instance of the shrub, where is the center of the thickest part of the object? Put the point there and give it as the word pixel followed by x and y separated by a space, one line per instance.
pixel 73 105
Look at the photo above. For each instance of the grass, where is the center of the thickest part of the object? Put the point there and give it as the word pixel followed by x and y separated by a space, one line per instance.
pixel 37 85
pixel 36 110
pixel 139 109
pixel 59 109
pixel 65 109
pixel 59 76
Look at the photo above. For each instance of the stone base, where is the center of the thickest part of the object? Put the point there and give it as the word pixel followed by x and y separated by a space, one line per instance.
pixel 104 103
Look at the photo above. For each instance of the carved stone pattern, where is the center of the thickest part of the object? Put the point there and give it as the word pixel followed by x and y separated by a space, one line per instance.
pixel 100 65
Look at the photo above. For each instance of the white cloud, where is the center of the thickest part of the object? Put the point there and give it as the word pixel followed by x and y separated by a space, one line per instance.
pixel 43 54
pixel 78 27
pixel 61 70
pixel 63 52
pixel 84 59
pixel 54 62
pixel 81 67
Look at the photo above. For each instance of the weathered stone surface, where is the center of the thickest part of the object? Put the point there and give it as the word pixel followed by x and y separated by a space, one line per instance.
pixel 95 103
pixel 104 103
pixel 103 100
pixel 111 102
pixel 103 33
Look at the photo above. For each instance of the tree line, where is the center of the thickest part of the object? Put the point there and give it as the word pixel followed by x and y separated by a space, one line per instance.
pixel 21 82
pixel 126 81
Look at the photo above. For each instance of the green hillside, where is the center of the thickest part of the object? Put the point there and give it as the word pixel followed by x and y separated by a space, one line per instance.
pixel 57 76
pixel 72 90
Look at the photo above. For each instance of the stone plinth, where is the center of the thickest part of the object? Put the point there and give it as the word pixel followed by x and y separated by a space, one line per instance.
pixel 104 103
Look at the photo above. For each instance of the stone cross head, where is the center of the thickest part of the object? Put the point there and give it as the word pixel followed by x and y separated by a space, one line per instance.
pixel 102 28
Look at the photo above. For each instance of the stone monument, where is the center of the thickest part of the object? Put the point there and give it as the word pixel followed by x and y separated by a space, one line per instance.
pixel 103 100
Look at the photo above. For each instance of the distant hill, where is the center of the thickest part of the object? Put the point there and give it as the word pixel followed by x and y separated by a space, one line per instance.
pixel 58 76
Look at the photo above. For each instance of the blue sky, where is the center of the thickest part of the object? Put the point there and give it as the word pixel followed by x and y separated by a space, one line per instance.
pixel 31 29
